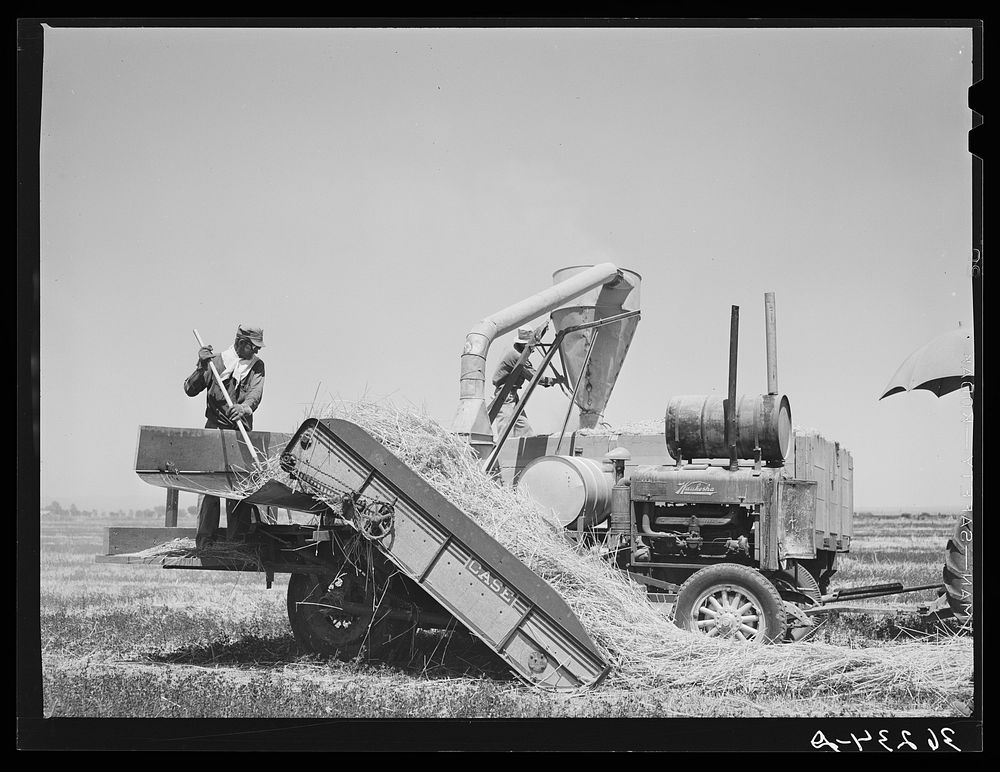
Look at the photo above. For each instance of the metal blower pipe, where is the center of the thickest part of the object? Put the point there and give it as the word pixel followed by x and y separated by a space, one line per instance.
pixel 771 335
pixel 734 336
pixel 471 418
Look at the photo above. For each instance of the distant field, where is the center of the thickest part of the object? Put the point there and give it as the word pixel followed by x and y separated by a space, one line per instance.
pixel 892 548
pixel 135 641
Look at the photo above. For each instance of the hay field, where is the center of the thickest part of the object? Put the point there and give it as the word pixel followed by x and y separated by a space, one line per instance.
pixel 142 641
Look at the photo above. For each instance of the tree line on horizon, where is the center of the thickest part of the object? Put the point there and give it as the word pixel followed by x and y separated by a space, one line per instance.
pixel 160 510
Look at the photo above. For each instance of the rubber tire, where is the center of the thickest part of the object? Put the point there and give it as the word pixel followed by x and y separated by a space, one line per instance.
pixel 743 578
pixel 377 641
pixel 957 573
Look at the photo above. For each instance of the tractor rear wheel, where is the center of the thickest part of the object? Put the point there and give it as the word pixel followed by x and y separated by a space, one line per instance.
pixel 322 625
pixel 957 572
pixel 729 600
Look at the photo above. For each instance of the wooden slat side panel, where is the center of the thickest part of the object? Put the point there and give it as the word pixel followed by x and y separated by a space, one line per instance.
pixel 847 493
pixel 119 540
pixel 836 491
pixel 220 484
pixel 129 560
pixel 201 450
pixel 832 467
pixel 646 450
pixel 819 463
pixel 590 445
pixel 518 452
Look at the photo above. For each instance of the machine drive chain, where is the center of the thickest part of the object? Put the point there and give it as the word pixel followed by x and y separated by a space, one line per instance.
pixel 372 517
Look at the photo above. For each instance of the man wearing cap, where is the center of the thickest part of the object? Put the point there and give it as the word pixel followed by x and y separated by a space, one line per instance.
pixel 242 373
pixel 507 371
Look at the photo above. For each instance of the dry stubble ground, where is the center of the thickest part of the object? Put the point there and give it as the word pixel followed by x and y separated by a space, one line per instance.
pixel 127 641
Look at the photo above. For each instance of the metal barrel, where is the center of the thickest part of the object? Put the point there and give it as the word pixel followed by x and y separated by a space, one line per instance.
pixel 569 487
pixel 598 372
pixel 695 426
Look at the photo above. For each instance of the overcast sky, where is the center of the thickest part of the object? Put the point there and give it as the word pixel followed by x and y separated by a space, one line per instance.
pixel 366 196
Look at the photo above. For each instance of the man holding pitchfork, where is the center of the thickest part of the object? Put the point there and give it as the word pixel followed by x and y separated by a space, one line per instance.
pixel 241 372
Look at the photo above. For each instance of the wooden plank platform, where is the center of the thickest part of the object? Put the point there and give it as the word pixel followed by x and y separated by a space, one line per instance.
pixel 209 564
pixel 119 540
pixel 164 561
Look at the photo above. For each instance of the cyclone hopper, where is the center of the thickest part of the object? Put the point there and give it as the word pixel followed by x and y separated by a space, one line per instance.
pixel 600 366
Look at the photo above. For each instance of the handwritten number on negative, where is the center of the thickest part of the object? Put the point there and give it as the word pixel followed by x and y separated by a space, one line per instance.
pixel 859 740
pixel 820 741
pixel 906 741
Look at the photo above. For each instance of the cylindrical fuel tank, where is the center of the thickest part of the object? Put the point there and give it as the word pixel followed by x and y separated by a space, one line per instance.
pixel 569 487
pixel 695 426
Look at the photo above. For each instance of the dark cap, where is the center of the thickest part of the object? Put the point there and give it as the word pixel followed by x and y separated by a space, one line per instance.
pixel 254 334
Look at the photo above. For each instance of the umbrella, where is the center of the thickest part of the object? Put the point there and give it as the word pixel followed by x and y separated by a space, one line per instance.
pixel 941 366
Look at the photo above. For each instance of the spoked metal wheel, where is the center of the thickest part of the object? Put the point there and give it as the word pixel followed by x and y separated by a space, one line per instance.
pixel 341 615
pixel 731 601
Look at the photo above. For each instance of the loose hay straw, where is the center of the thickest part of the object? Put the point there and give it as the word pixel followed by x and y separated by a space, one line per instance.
pixel 645 649
pixel 233 552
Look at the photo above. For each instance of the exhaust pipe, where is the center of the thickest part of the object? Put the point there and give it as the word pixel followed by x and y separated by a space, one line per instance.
pixel 772 345
pixel 730 409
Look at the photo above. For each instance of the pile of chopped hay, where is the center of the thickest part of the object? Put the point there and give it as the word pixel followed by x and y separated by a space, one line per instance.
pixel 645 649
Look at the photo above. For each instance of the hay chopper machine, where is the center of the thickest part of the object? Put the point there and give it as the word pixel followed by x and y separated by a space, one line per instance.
pixel 729 513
